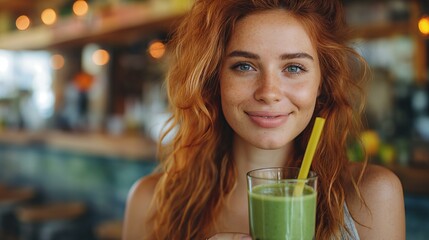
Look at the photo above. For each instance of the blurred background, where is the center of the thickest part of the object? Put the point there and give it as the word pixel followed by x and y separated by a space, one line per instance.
pixel 82 104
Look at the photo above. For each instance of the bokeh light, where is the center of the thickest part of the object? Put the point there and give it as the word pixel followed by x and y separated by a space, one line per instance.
pixel 156 49
pixel 49 16
pixel 80 7
pixel 424 25
pixel 100 57
pixel 57 61
pixel 22 22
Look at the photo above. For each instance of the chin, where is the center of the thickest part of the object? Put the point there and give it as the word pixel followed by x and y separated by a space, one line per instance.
pixel 269 145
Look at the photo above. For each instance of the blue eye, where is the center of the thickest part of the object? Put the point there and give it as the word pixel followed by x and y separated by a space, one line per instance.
pixel 294 69
pixel 243 67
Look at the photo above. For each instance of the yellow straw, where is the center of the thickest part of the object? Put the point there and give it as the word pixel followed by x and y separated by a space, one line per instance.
pixel 309 153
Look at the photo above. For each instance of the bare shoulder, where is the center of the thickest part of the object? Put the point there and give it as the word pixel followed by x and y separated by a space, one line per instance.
pixel 377 179
pixel 139 210
pixel 144 188
pixel 381 214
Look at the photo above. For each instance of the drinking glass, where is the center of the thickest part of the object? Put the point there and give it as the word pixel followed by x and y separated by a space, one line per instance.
pixel 281 207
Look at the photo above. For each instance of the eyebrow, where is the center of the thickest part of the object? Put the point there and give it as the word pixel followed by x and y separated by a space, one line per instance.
pixel 285 56
pixel 296 55
pixel 244 54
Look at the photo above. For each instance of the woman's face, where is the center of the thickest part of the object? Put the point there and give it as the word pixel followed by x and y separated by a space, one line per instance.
pixel 269 79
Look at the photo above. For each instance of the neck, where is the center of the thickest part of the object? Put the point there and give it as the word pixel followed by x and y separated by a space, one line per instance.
pixel 248 157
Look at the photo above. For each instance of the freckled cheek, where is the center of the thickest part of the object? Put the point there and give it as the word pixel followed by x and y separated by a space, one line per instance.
pixel 305 97
pixel 230 104
pixel 231 94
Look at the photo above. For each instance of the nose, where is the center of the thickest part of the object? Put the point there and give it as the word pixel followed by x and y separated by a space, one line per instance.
pixel 268 90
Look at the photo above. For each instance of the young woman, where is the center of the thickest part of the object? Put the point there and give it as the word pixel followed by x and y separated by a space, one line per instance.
pixel 247 80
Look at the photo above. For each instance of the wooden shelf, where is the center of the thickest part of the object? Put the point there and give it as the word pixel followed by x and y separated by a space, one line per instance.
pixel 401 28
pixel 119 24
pixel 382 30
pixel 16 5
pixel 130 147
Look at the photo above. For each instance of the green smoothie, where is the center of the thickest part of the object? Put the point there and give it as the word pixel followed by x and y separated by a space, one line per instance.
pixel 277 215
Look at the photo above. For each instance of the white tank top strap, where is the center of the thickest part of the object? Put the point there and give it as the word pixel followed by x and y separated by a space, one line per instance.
pixel 351 232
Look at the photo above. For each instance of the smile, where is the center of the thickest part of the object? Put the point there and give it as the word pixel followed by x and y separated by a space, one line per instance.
pixel 267 119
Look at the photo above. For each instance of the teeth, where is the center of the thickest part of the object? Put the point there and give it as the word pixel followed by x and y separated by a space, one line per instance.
pixel 267 117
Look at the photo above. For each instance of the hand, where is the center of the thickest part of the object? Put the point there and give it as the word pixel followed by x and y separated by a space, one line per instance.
pixel 230 236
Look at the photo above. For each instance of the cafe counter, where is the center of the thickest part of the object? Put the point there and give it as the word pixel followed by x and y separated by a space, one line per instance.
pixel 128 147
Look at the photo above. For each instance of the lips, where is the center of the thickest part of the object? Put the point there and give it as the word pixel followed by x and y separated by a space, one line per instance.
pixel 268 119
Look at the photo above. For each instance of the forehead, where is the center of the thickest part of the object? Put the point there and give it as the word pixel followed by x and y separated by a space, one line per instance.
pixel 278 27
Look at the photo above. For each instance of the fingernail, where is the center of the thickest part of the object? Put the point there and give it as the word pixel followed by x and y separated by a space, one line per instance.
pixel 246 238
